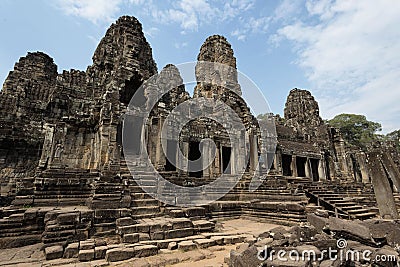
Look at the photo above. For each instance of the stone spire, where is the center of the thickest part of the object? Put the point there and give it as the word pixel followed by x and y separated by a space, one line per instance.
pixel 302 111
pixel 123 55
pixel 217 49
pixel 30 84
pixel 222 76
pixel 168 78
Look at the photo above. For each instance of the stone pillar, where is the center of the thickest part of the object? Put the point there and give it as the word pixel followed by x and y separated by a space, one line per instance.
pixel 308 169
pixel 185 163
pixel 294 166
pixel 383 192
pixel 341 156
pixel 275 163
pixel 278 157
pixel 253 153
pixel 206 157
pixel 234 156
pixel 160 157
pixel 362 161
pixel 217 160
pixel 321 169
pixel 392 170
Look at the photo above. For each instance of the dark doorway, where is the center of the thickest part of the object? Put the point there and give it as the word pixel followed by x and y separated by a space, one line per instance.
pixel 286 165
pixel 119 138
pixel 130 89
pixel 314 169
pixel 132 135
pixel 301 166
pixel 356 169
pixel 226 159
pixel 327 170
pixel 171 155
pixel 195 154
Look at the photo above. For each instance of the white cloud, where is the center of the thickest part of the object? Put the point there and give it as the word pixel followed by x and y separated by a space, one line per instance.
pixel 179 45
pixel 251 26
pixel 287 10
pixel 190 14
pixel 93 10
pixel 239 34
pixel 351 54
pixel 235 8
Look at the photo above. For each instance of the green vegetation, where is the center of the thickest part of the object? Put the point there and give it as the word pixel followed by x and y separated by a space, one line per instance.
pixel 356 129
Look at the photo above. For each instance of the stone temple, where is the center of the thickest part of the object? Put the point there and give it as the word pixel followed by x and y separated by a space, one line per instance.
pixel 65 183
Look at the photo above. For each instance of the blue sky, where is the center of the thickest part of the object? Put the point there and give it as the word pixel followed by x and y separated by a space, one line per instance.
pixel 347 53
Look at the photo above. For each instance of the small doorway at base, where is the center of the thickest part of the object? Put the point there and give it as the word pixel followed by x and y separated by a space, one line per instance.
pixel 226 159
pixel 195 154
pixel 286 165
pixel 301 166
pixel 314 169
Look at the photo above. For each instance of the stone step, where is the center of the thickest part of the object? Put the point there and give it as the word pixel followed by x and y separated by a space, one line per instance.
pixel 144 202
pixel 345 204
pixel 358 211
pixel 366 215
pixel 145 210
pixel 352 207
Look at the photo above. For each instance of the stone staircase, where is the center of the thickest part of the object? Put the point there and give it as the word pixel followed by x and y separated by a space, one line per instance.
pixel 273 200
pixel 60 187
pixel 142 205
pixel 350 203
pixel 21 226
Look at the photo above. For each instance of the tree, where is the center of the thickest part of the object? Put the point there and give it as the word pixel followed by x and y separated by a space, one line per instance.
pixel 394 137
pixel 356 129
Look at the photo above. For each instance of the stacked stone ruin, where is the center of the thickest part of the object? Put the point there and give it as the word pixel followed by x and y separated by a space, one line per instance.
pixel 65 182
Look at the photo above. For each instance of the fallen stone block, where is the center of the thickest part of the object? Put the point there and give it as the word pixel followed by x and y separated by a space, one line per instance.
pixel 72 250
pixel 263 242
pixel 237 239
pixel 86 254
pixel 317 221
pixel 130 238
pixel 195 211
pixel 245 256
pixel 54 252
pixel 179 233
pixel 68 218
pixel 86 244
pixel 203 225
pixel 142 228
pixel 177 213
pixel 144 237
pixel 352 230
pixel 100 252
pixel 157 235
pixel 154 227
pixel 145 251
pixel 125 221
pixel 186 245
pixel 180 223
pixel 204 243
pixel 100 242
pixel 119 254
pixel 172 245
pixel 219 240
